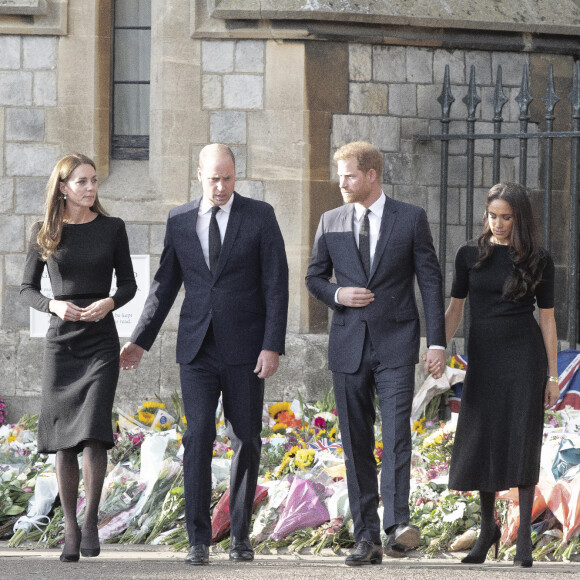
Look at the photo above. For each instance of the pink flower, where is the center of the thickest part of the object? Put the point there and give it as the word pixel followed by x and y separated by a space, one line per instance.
pixel 319 423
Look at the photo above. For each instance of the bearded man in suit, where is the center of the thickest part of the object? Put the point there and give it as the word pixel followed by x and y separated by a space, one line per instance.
pixel 376 248
pixel 228 252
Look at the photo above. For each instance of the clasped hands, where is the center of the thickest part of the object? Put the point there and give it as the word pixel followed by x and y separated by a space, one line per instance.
pixel 73 313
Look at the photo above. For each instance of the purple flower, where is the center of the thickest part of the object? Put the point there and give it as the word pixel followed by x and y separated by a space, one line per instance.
pixel 553 421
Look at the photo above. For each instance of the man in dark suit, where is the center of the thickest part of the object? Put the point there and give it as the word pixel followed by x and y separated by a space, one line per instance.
pixel 229 253
pixel 376 247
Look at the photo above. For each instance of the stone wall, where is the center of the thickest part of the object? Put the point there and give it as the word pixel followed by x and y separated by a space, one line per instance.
pixel 284 97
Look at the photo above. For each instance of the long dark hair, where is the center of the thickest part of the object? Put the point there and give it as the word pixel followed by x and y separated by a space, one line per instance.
pixel 525 252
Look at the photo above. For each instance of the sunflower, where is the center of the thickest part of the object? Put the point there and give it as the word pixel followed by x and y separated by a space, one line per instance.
pixel 304 458
pixel 278 408
pixel 145 417
pixel 332 434
pixel 279 427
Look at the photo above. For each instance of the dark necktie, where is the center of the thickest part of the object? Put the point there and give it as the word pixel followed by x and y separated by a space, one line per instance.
pixel 215 240
pixel 364 243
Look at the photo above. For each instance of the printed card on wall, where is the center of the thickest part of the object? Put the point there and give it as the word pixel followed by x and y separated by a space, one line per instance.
pixel 126 318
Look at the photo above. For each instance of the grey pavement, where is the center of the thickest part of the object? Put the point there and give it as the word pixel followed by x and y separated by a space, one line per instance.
pixel 147 562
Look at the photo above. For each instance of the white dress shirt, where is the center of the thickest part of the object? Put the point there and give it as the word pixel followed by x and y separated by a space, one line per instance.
pixel 203 219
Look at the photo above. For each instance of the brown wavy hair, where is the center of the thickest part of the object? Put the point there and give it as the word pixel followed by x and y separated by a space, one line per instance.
pixel 526 254
pixel 50 233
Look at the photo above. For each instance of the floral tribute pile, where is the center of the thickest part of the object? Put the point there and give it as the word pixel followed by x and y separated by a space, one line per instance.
pixel 301 501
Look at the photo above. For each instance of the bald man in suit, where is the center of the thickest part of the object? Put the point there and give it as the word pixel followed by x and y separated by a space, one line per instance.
pixel 228 252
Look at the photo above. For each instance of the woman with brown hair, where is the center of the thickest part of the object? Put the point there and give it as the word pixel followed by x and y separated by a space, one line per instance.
pixel 499 432
pixel 81 246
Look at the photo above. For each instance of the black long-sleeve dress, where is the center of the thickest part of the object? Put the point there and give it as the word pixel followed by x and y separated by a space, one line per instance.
pixel 81 359
pixel 499 431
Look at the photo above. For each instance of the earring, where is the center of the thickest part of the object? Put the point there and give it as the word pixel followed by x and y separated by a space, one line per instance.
pixel 64 196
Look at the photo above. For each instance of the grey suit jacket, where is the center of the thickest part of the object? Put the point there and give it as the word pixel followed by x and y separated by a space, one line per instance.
pixel 404 252
pixel 246 300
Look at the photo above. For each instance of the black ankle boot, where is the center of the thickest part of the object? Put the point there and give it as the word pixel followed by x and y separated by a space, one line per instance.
pixel 481 548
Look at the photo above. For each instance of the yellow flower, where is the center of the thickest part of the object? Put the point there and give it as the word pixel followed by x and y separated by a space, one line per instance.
pixel 145 418
pixel 332 434
pixel 229 453
pixel 184 420
pixel 153 405
pixel 11 438
pixel 339 450
pixel 278 408
pixel 268 476
pixel 419 426
pixel 304 458
pixel 279 427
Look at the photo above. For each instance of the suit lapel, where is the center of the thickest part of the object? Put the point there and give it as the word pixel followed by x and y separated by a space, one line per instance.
pixel 387 223
pixel 232 229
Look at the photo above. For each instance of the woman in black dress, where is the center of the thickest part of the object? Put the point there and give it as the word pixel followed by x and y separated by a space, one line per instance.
pixel 81 247
pixel 499 432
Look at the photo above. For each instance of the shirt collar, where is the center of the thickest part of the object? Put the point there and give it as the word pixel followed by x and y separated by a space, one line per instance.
pixel 205 206
pixel 376 208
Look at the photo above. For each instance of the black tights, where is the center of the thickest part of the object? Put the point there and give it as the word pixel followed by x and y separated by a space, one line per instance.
pixel 67 471
pixel 488 525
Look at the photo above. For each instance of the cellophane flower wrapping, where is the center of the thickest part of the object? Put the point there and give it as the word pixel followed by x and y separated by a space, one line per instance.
pixel 121 490
pixel 304 507
pixel 220 521
pixel 269 512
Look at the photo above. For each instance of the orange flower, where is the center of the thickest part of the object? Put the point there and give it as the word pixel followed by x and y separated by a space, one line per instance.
pixel 288 418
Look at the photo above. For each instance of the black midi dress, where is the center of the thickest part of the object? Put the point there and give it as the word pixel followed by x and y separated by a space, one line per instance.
pixel 81 359
pixel 500 425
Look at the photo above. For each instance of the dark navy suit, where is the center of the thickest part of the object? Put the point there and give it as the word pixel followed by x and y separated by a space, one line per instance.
pixel 226 319
pixel 374 349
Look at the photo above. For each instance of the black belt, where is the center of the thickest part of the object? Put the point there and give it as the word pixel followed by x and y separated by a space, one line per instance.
pixel 80 296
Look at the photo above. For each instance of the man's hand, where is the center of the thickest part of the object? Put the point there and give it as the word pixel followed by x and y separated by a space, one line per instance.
pixel 355 297
pixel 131 354
pixel 267 364
pixel 434 362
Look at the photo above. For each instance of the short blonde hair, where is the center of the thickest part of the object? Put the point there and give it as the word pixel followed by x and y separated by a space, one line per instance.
pixel 367 156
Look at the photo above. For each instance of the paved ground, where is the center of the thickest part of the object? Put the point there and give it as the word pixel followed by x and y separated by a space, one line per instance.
pixel 149 562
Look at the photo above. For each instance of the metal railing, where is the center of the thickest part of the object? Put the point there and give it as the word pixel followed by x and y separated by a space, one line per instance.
pixel 524 99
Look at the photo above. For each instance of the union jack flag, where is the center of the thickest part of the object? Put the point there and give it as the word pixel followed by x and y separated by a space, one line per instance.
pixel 569 381
pixel 324 445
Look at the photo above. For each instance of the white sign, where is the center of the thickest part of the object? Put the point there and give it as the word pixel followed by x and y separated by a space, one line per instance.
pixel 126 318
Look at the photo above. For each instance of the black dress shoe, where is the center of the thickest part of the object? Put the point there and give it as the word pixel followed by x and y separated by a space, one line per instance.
pixel 407 536
pixel 365 552
pixel 394 549
pixel 198 555
pixel 241 550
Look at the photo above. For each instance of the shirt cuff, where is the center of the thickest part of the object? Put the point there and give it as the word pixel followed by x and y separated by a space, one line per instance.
pixel 436 347
pixel 336 295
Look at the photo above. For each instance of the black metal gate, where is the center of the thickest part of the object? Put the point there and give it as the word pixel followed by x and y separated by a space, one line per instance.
pixel 524 99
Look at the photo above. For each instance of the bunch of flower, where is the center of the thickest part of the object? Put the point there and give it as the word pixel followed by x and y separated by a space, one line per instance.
pixel 147 411
pixel 442 514
pixel 126 446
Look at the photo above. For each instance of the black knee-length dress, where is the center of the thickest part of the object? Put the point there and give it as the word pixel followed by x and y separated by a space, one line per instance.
pixel 499 430
pixel 81 359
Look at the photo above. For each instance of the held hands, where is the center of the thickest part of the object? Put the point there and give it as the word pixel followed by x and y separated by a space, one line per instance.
pixel 551 394
pixel 73 313
pixel 267 364
pixel 434 362
pixel 355 297
pixel 131 354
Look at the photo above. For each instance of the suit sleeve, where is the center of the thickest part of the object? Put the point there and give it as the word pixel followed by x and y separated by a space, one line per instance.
pixel 164 288
pixel 320 271
pixel 274 272
pixel 429 280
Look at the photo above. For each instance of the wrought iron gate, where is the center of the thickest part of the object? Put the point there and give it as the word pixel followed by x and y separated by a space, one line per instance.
pixel 524 99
